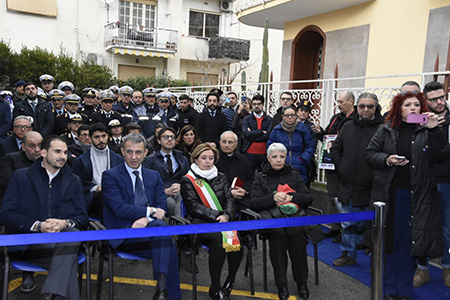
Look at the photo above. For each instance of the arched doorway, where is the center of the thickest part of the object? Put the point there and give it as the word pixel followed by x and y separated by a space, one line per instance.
pixel 308 50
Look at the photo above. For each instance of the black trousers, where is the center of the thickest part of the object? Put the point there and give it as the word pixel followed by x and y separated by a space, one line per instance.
pixel 217 256
pixel 292 241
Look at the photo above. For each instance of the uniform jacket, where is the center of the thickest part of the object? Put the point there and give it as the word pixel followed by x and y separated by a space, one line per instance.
pixel 42 115
pixel 119 209
pixel 61 122
pixel 428 146
pixel 100 117
pixel 300 146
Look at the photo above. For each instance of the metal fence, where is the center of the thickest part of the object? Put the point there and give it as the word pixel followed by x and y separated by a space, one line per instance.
pixel 322 99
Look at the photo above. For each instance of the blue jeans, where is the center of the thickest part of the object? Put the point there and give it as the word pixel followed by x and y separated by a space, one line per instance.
pixel 444 199
pixel 352 232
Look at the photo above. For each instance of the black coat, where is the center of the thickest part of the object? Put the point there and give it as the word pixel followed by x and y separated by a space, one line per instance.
pixel 208 128
pixel 194 205
pixel 355 175
pixel 100 117
pixel 8 145
pixel 428 146
pixel 266 184
pixel 188 117
pixel 233 166
pixel 42 115
pixel 10 163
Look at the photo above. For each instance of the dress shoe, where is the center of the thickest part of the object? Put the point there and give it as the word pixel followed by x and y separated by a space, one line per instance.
pixel 283 293
pixel 28 284
pixel 161 295
pixel 303 291
pixel 50 296
pixel 227 287
pixel 218 295
pixel 331 233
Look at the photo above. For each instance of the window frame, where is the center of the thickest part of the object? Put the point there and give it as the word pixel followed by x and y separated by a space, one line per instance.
pixel 205 13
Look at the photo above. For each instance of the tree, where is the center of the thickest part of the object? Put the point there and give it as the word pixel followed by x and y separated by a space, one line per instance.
pixel 264 74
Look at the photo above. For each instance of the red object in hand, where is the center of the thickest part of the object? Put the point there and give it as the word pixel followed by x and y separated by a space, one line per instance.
pixel 285 188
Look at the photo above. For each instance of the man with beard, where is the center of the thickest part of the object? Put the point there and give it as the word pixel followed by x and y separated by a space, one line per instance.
pixel 211 123
pixel 355 175
pixel 13 143
pixel 47 197
pixel 437 103
pixel 37 108
pixel 137 98
pixel 186 114
pixel 171 165
pixel 256 129
pixel 91 165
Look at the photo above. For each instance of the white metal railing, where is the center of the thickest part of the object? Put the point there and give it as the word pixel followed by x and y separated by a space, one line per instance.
pixel 118 34
pixel 245 4
pixel 322 99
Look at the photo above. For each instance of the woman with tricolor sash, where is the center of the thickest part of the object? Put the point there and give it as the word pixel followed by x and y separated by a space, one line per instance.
pixel 208 199
pixel 278 191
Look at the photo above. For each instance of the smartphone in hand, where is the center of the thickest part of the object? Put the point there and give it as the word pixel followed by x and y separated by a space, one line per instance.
pixel 417 119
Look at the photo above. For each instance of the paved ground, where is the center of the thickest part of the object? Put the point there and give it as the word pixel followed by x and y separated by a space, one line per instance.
pixel 134 282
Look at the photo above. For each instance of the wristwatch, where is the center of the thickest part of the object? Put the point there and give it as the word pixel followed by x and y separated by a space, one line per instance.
pixel 70 223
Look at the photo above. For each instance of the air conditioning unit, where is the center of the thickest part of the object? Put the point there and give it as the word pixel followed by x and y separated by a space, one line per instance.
pixel 226 6
pixel 94 58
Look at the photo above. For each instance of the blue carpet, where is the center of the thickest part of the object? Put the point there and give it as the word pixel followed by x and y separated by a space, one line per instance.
pixel 329 251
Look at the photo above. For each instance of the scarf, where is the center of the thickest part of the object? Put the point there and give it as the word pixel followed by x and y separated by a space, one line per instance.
pixel 207 174
pixel 100 163
pixel 289 128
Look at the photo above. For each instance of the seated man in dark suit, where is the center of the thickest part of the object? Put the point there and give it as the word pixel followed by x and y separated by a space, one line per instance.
pixel 21 125
pixel 47 197
pixel 134 198
pixel 171 165
pixel 91 165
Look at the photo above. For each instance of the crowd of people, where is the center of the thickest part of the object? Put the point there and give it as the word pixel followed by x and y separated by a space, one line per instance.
pixel 133 158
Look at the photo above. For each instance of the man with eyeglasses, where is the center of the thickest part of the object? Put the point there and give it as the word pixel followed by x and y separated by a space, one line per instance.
pixel 37 108
pixel 437 103
pixel 256 129
pixel 91 165
pixel 171 165
pixel 286 100
pixel 13 143
pixel 355 175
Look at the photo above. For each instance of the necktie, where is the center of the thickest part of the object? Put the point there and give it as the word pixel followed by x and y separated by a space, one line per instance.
pixel 33 105
pixel 169 164
pixel 139 195
pixel 213 113
pixel 108 115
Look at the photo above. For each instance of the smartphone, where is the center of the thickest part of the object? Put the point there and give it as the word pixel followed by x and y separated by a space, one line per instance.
pixel 417 119
pixel 399 157
pixel 244 99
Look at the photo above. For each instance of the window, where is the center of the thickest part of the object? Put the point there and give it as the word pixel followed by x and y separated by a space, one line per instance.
pixel 203 24
pixel 42 7
pixel 140 14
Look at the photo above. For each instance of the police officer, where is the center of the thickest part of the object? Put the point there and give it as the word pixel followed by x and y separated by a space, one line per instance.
pixel 72 102
pixel 71 136
pixel 89 107
pixel 167 112
pixel 115 135
pixel 67 87
pixel 106 113
pixel 57 98
pixel 125 107
pixel 47 82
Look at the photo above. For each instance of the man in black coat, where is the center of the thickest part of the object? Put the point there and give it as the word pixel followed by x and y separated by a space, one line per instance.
pixel 12 143
pixel 235 165
pixel 355 175
pixel 37 108
pixel 211 123
pixel 186 114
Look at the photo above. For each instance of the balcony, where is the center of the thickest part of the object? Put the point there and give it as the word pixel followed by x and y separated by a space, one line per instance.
pixel 279 12
pixel 229 49
pixel 138 40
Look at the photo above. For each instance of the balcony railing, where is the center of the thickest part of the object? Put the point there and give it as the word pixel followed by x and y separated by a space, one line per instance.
pixel 140 38
pixel 246 4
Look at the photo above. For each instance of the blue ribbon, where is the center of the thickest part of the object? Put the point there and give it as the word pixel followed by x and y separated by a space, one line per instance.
pixel 112 234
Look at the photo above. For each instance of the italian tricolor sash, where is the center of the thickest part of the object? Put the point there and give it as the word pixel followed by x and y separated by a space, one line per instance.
pixel 209 199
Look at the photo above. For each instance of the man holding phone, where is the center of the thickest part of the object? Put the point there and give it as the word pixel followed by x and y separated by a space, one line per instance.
pixel 436 98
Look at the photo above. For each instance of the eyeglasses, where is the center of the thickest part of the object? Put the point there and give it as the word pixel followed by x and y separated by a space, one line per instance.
pixel 290 115
pixel 441 98
pixel 22 127
pixel 364 106
pixel 168 137
pixel 285 99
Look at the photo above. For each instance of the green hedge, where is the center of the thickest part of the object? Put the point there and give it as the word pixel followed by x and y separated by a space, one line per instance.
pixel 29 64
